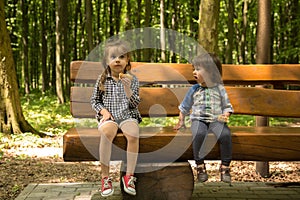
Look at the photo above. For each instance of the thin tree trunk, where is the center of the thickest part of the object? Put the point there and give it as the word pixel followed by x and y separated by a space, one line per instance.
pixel 78 5
pixel 147 52
pixel 25 45
pixel 45 76
pixel 229 46
pixel 263 57
pixel 244 32
pixel 58 52
pixel 162 32
pixel 65 52
pixel 89 23
pixel 294 39
pixel 128 19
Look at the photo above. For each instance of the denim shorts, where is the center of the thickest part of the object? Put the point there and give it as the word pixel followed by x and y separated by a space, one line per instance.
pixel 119 122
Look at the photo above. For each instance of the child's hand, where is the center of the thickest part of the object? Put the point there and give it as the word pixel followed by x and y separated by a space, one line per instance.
pixel 127 83
pixel 106 115
pixel 179 125
pixel 224 117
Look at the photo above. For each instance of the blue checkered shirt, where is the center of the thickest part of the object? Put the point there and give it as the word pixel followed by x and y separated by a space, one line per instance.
pixel 206 104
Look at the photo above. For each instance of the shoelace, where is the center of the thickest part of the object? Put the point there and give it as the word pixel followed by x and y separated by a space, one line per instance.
pixel 131 182
pixel 106 183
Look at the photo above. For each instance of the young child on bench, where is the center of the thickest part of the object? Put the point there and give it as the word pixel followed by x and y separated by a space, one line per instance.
pixel 210 110
pixel 115 100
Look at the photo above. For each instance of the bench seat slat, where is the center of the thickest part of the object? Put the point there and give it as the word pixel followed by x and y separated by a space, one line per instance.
pixel 249 143
pixel 157 102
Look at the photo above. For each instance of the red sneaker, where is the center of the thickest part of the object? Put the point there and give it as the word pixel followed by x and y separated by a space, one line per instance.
pixel 128 182
pixel 106 189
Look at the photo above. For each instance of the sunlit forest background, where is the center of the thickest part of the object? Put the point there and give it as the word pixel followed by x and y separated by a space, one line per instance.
pixel 33 32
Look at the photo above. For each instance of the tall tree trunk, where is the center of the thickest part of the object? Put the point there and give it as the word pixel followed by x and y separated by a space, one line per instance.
pixel 208 24
pixel 162 32
pixel 229 46
pixel 128 14
pixel 58 52
pixel 174 26
pixel 147 52
pixel 244 32
pixel 295 38
pixel 111 18
pixel 11 115
pixel 45 76
pixel 25 28
pixel 89 23
pixel 65 51
pixel 263 57
pixel 77 13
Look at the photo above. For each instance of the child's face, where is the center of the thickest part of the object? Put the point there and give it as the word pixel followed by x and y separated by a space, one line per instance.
pixel 199 73
pixel 116 61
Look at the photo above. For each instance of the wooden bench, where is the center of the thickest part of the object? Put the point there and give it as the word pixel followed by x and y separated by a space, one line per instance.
pixel 162 88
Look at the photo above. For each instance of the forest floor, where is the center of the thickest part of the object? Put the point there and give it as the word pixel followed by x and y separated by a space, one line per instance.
pixel 21 165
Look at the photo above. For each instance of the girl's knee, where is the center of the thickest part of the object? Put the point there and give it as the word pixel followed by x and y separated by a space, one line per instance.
pixel 108 130
pixel 132 139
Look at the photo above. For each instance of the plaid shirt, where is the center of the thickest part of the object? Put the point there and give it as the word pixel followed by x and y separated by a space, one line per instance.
pixel 115 100
pixel 206 103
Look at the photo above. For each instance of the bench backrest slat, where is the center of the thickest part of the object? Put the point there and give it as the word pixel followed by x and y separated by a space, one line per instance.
pixel 164 101
pixel 88 72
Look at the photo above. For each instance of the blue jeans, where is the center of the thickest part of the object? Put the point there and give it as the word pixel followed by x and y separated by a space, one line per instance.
pixel 200 131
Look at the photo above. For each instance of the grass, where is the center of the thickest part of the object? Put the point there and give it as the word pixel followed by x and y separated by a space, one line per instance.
pixel 45 114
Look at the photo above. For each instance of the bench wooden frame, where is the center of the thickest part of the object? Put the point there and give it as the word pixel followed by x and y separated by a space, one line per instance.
pixel 249 143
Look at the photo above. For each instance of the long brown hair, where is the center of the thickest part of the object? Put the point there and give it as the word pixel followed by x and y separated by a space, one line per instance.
pixel 123 49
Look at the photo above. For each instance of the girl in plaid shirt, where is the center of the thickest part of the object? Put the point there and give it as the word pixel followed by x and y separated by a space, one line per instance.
pixel 210 110
pixel 115 100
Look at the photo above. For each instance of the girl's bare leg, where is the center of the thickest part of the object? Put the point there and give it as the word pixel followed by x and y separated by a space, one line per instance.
pixel 131 131
pixel 108 132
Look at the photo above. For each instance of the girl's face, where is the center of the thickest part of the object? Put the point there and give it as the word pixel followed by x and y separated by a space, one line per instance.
pixel 116 61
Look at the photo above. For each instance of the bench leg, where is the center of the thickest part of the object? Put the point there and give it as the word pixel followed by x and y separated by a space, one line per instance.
pixel 158 181
pixel 262 168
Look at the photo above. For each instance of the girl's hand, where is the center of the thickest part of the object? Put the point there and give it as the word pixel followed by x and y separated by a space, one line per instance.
pixel 105 115
pixel 127 83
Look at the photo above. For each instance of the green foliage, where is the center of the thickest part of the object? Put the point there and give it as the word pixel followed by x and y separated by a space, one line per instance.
pixel 45 114
pixel 235 120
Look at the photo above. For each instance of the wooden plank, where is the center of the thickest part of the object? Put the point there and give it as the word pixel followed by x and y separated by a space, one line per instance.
pixel 284 73
pixel 264 102
pixel 88 72
pixel 161 145
pixel 157 102
pixel 83 71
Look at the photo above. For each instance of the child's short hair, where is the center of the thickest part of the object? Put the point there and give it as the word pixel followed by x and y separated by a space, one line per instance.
pixel 211 63
pixel 208 60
